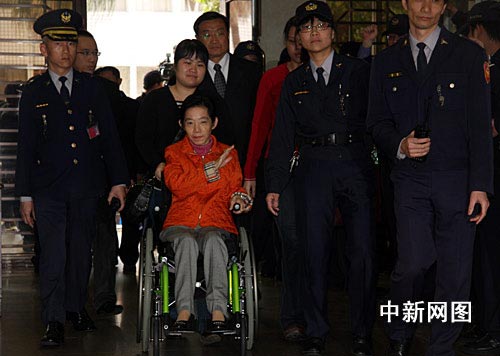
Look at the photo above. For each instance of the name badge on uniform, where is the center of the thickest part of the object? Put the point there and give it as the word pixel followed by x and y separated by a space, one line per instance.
pixel 395 75
pixel 93 127
pixel 93 131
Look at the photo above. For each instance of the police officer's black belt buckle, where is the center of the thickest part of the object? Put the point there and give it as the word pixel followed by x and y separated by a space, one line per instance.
pixel 333 139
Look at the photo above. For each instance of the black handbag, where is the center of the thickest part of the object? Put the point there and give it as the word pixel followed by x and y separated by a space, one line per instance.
pixel 137 202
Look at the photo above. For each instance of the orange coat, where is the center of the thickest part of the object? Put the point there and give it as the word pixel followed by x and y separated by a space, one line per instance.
pixel 195 202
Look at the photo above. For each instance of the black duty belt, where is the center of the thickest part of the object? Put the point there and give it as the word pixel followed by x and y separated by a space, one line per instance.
pixel 332 139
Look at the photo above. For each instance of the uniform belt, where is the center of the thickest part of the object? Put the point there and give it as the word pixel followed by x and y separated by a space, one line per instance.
pixel 333 139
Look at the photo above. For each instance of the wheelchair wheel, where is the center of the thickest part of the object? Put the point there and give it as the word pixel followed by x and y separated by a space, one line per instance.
pixel 142 249
pixel 156 335
pixel 147 290
pixel 251 318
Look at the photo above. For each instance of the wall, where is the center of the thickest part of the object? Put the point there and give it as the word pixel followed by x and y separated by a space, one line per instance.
pixel 275 14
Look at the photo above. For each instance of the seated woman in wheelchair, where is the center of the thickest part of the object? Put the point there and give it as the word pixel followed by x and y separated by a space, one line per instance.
pixel 205 179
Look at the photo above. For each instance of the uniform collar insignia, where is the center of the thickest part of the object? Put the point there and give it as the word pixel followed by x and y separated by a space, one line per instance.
pixel 405 42
pixel 47 82
pixel 338 65
pixel 443 41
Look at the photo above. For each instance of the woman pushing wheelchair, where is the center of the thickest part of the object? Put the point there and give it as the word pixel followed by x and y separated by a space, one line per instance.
pixel 205 179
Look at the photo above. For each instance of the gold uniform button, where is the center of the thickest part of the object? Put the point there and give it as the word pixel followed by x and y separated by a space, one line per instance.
pixel 394 89
pixel 75 161
pixel 70 111
pixel 73 145
pixel 452 85
pixel 71 128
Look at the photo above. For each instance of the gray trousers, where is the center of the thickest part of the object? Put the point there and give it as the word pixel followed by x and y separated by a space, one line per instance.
pixel 187 244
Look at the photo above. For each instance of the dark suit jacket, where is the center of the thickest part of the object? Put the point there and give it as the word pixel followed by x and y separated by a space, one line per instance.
pixel 56 156
pixel 125 113
pixel 453 99
pixel 239 101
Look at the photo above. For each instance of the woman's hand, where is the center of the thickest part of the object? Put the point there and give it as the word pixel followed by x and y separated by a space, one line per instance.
pixel 250 186
pixel 159 170
pixel 224 158
pixel 243 201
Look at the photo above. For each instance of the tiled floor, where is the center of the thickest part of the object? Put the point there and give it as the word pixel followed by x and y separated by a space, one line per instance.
pixel 20 327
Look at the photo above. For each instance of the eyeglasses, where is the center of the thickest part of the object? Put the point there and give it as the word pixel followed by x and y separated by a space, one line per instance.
pixel 322 26
pixel 87 53
pixel 218 34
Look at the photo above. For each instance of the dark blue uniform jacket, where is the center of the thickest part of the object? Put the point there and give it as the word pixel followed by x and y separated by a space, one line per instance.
pixel 56 157
pixel 303 111
pixel 453 99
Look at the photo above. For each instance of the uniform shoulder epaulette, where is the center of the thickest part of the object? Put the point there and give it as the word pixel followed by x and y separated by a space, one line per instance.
pixel 33 80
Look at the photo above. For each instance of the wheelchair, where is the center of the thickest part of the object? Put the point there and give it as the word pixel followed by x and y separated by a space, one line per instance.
pixel 156 300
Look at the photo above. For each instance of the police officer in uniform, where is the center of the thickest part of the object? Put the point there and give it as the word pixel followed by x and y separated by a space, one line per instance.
pixel 322 109
pixel 68 150
pixel 430 111
pixel 484 26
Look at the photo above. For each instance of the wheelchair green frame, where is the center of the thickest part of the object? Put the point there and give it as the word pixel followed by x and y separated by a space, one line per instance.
pixel 155 302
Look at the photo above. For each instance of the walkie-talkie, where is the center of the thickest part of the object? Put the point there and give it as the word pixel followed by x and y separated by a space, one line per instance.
pixel 422 130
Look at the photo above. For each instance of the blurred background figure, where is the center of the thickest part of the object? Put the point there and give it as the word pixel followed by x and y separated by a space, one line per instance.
pixel 397 27
pixel 251 51
pixel 152 80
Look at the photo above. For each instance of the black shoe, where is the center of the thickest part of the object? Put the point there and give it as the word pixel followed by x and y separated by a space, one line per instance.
pixel 183 326
pixel 313 346
pixel 54 335
pixel 110 309
pixel 81 321
pixel 217 326
pixel 399 348
pixel 484 346
pixel 361 346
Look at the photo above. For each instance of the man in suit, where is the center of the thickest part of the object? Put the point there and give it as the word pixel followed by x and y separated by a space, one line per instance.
pixel 106 239
pixel 430 111
pixel 68 149
pixel 322 110
pixel 232 79
pixel 484 26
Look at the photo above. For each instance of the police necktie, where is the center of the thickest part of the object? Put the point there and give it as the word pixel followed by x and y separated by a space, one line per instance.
pixel 421 59
pixel 219 81
pixel 64 90
pixel 321 79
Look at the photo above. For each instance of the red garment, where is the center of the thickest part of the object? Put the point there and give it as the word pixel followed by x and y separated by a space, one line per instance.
pixel 264 114
pixel 195 202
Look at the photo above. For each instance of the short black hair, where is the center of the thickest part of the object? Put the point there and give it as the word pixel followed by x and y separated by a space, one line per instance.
pixel 492 29
pixel 85 33
pixel 198 100
pixel 190 48
pixel 292 22
pixel 208 16
pixel 113 70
